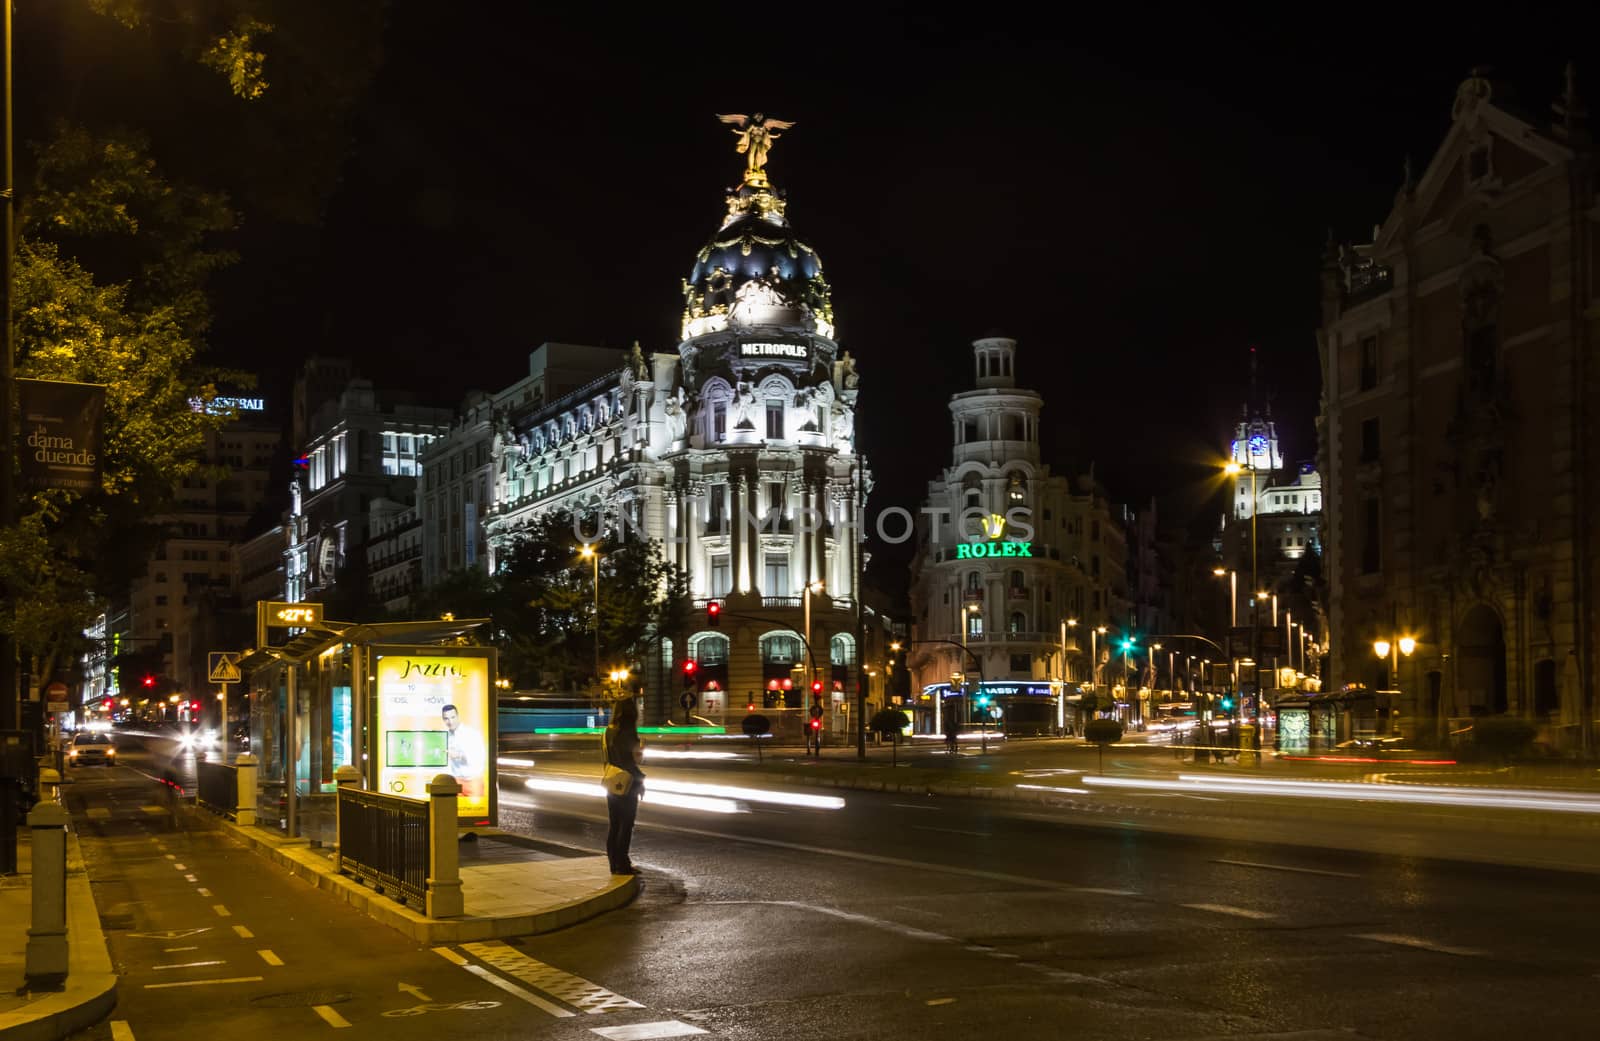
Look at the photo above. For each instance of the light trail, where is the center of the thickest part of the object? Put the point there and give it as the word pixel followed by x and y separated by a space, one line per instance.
pixel 1482 798
pixel 651 795
pixel 668 753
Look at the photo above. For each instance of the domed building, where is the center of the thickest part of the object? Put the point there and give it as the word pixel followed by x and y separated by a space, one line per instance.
pixel 736 451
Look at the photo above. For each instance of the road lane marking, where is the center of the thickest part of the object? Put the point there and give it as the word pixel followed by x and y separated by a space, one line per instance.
pixel 222 910
pixel 1286 867
pixel 180 867
pixel 940 1001
pixel 173 934
pixel 190 878
pixel 1237 912
pixel 270 958
pixel 172 950
pixel 244 934
pixel 1419 943
pixel 187 965
pixel 203 891
pixel 647 1031
pixel 448 955
pixel 329 1016
pixel 414 990
pixel 1106 892
pixel 574 990
pixel 878 923
pixel 203 983
pixel 121 1031
pixel 912 806
pixel 511 988
pixel 952 831
pixel 172 856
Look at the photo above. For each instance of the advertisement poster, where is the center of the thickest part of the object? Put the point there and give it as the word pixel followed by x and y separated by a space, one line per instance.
pixel 60 436
pixel 433 718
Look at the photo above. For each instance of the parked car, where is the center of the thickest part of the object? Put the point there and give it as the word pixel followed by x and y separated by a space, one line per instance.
pixel 91 748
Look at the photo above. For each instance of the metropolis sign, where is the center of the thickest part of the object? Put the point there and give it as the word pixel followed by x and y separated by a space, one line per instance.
pixel 774 350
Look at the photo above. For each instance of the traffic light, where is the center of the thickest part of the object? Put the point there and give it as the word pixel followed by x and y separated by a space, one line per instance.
pixel 689 667
pixel 1227 702
pixel 983 700
pixel 714 614
pixel 149 681
pixel 816 689
pixel 816 724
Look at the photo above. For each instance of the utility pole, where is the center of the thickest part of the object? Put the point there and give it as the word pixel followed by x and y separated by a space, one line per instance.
pixel 9 703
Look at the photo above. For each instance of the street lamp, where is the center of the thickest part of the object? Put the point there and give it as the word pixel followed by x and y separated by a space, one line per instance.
pixel 811 587
pixel 589 553
pixel 1392 649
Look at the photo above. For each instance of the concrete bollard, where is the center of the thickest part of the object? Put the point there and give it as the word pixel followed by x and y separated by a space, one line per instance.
pixel 245 774
pixel 50 784
pixel 445 898
pixel 345 776
pixel 45 963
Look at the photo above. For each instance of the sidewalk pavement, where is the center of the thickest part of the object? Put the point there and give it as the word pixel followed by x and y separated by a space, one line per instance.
pixel 511 885
pixel 90 990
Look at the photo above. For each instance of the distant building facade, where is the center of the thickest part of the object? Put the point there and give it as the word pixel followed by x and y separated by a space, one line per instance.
pixel 1458 431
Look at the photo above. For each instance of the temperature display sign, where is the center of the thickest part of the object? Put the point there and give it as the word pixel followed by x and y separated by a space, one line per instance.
pixel 273 614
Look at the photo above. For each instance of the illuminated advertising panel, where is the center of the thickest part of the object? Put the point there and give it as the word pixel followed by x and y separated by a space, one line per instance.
pixel 433 718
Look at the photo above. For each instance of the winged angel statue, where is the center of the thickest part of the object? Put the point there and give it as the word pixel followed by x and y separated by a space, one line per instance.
pixel 755 134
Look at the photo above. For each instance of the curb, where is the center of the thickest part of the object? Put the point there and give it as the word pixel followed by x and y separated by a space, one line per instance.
pixel 91 990
pixel 295 855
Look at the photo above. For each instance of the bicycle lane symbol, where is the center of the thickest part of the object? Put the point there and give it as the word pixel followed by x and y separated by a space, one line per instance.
pixel 437 1006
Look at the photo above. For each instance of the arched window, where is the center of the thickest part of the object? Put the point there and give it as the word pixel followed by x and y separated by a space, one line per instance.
pixel 780 648
pixel 709 648
pixel 972 490
pixel 1018 623
pixel 974 583
pixel 842 650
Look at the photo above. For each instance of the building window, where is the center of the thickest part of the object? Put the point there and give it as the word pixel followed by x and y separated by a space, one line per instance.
pixel 775 501
pixel 1369 362
pixel 842 650
pixel 1018 492
pixel 711 650
pixel 1016 580
pixel 1018 623
pixel 161 601
pixel 1369 440
pixel 719 421
pixel 1022 663
pixel 972 489
pixel 1371 554
pixel 780 649
pixel 777 576
pixel 974 625
pixel 969 430
pixel 974 583
pixel 775 420
pixel 721 576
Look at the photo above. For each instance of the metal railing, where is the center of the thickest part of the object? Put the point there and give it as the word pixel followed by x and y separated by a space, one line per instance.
pixel 218 789
pixel 383 839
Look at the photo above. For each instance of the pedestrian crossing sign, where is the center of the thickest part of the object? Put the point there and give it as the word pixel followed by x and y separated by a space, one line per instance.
pixel 223 667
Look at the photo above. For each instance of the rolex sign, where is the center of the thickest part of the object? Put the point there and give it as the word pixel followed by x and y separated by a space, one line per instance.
pixel 61 432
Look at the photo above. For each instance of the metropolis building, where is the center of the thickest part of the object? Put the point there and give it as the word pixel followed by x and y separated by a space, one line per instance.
pixel 736 452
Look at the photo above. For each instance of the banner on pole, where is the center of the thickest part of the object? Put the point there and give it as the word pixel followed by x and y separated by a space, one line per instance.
pixel 61 434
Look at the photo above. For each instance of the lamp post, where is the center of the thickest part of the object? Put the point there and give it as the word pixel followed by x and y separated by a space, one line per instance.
pixel 805 599
pixel 1392 649
pixel 589 553
pixel 1061 698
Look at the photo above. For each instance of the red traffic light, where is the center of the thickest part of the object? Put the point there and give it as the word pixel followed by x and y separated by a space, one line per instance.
pixel 149 681
pixel 689 665
pixel 816 724
pixel 714 612
pixel 816 687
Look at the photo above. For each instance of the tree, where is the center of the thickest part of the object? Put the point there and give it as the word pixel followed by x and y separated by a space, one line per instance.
pixel 891 722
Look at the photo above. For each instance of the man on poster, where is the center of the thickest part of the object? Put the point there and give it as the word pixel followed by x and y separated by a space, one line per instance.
pixel 466 752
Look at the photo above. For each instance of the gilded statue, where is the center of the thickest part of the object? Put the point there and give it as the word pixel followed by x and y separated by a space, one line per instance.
pixel 755 134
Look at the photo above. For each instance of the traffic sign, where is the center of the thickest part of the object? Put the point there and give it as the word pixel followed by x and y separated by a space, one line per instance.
pixel 223 667
pixel 688 700
pixel 816 710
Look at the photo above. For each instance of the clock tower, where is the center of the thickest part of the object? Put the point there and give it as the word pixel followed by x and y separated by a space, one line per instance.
pixel 1254 448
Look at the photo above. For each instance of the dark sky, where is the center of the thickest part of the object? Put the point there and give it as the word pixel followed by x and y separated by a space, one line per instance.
pixel 1137 209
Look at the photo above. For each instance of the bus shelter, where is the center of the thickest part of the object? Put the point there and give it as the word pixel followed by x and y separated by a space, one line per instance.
pixel 399 701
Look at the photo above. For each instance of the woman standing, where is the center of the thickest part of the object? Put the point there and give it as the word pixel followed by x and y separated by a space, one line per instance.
pixel 624 751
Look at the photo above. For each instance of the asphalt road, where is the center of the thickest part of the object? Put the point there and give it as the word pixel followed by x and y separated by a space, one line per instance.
pixel 886 917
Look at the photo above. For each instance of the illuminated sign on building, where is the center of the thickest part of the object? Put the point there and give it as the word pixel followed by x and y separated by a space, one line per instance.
pixel 220 405
pixel 774 350
pixel 973 550
pixel 995 688
pixel 273 614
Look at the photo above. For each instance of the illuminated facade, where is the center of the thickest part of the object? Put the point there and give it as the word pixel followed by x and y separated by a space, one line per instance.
pixel 1007 553
pixel 737 452
pixel 1458 430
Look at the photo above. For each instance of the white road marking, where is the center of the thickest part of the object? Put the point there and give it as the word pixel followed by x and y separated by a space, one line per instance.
pixel 940 1001
pixel 1286 867
pixel 180 867
pixel 647 1031
pixel 189 878
pixel 414 991
pixel 203 891
pixel 244 934
pixel 270 958
pixel 121 1031
pixel 511 988
pixel 912 806
pixel 172 950
pixel 187 965
pixel 172 856
pixel 952 831
pixel 203 983
pixel 1237 912
pixel 329 1016
pixel 1106 892
pixel 222 910
pixel 448 955
pixel 1419 943
pixel 574 990
pixel 173 934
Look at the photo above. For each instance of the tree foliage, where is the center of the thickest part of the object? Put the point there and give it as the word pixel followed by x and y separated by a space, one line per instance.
pixel 542 603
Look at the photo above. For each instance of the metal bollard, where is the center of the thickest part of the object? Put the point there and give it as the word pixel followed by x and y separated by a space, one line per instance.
pixel 445 899
pixel 345 776
pixel 245 802
pixel 45 962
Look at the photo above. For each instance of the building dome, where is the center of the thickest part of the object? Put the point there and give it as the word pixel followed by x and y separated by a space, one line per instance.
pixel 756 272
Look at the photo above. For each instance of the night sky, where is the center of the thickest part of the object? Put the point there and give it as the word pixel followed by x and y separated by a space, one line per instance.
pixel 1137 212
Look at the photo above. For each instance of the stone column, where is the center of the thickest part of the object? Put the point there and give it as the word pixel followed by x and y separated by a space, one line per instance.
pixel 45 962
pixel 445 899
pixel 245 773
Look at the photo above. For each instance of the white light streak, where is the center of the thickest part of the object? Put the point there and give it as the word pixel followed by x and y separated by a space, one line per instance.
pixel 508 761
pixel 651 795
pixel 667 753
pixel 1049 788
pixel 1484 798
pixel 727 791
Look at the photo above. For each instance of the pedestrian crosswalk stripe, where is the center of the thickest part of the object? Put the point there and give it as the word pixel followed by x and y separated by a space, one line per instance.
pixel 574 990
